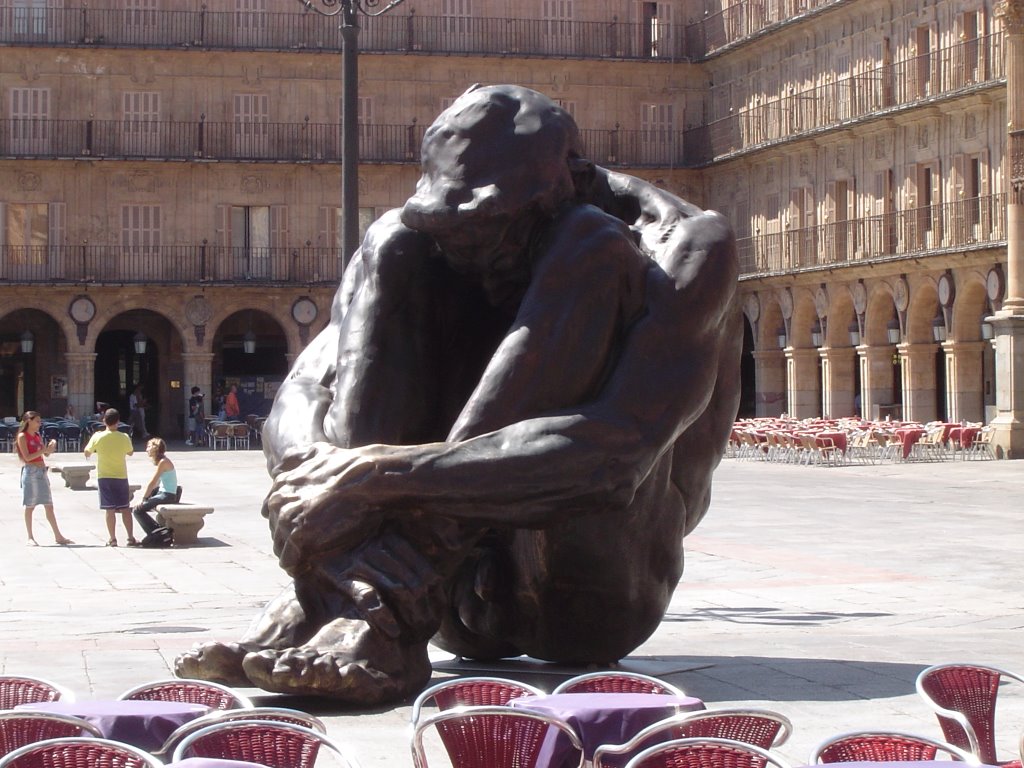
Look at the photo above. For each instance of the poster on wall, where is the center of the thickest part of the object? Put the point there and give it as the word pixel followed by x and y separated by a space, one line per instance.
pixel 58 387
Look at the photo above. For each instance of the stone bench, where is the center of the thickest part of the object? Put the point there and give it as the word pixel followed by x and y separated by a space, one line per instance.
pixel 184 519
pixel 75 475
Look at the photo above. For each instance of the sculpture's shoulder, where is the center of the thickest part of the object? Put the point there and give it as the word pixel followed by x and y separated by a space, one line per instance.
pixel 388 240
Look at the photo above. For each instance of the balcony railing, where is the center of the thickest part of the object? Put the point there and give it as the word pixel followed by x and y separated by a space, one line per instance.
pixel 294 142
pixel 746 18
pixel 249 30
pixel 942 72
pixel 969 223
pixel 169 264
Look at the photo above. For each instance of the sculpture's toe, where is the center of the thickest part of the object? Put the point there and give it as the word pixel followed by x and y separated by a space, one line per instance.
pixel 214 661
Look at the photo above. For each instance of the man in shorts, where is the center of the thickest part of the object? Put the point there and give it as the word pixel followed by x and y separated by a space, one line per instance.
pixel 112 447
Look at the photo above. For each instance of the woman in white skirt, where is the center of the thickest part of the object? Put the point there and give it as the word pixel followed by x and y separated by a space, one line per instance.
pixel 35 484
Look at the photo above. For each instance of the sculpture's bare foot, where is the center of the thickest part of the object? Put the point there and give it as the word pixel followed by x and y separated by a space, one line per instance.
pixel 347 660
pixel 282 624
pixel 217 662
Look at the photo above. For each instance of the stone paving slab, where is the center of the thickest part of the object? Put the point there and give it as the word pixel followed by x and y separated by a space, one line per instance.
pixel 819 592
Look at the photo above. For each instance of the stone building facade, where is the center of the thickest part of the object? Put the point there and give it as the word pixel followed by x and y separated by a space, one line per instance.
pixel 170 173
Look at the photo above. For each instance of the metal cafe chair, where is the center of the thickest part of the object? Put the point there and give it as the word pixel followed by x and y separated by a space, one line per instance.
pixel 79 752
pixel 21 689
pixel 706 753
pixel 963 697
pixel 883 746
pixel 270 714
pixel 275 744
pixel 471 691
pixel 17 729
pixel 491 737
pixel 615 681
pixel 213 695
pixel 760 727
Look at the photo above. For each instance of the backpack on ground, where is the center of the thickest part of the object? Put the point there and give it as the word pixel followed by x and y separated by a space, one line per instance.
pixel 159 538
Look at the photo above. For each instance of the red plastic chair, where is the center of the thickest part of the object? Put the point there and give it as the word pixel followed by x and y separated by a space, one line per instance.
pixel 471 692
pixel 617 682
pixel 705 753
pixel 270 743
pixel 493 737
pixel 963 697
pixel 759 727
pixel 18 729
pixel 212 695
pixel 884 746
pixel 18 689
pixel 79 752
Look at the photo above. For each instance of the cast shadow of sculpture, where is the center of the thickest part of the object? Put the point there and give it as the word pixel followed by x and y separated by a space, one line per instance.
pixel 508 426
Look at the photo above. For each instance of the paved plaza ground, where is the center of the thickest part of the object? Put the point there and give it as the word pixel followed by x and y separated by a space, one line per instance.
pixel 818 592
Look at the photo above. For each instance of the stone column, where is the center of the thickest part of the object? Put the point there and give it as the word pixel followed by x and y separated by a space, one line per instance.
pixel 82 382
pixel 770 382
pixel 198 373
pixel 965 374
pixel 875 378
pixel 837 378
pixel 918 361
pixel 803 384
pixel 1009 320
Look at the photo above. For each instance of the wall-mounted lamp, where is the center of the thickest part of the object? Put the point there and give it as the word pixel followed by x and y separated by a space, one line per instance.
pixel 249 343
pixel 816 338
pixel 854 330
pixel 892 330
pixel 939 327
pixel 139 341
pixel 987 330
pixel 781 334
pixel 28 342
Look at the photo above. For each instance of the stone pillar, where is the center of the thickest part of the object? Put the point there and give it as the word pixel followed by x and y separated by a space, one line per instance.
pixel 965 379
pixel 918 361
pixel 198 373
pixel 82 382
pixel 770 382
pixel 1009 320
pixel 875 378
pixel 837 380
pixel 803 384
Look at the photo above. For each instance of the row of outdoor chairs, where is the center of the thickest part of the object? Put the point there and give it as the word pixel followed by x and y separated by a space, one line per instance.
pixel 477 730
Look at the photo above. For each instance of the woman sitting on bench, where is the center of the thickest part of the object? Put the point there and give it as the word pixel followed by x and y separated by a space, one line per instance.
pixel 162 488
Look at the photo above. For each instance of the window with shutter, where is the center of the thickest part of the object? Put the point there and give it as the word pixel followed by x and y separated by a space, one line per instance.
pixel 30 120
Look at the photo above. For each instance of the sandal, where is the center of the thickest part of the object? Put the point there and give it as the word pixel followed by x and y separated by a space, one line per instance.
pixel 132 542
pixel 31 543
pixel 112 543
pixel 64 542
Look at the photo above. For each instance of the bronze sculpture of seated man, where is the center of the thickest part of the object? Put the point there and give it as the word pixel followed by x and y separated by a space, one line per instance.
pixel 510 423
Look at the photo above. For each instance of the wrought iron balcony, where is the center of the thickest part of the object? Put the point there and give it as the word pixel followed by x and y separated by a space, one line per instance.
pixel 390 33
pixel 288 142
pixel 779 118
pixel 966 224
pixel 169 264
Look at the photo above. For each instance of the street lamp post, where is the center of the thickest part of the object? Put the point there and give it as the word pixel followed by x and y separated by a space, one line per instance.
pixel 347 10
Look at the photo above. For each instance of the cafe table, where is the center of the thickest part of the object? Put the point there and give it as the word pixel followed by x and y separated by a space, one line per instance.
pixel 602 718
pixel 143 724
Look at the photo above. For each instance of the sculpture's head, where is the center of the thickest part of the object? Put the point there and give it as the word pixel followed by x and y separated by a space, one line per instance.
pixel 497 159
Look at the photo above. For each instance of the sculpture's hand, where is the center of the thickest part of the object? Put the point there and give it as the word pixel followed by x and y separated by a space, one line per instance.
pixel 316 503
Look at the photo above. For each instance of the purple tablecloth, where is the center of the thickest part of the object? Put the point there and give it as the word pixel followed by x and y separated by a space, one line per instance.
pixel 603 718
pixel 143 724
pixel 217 762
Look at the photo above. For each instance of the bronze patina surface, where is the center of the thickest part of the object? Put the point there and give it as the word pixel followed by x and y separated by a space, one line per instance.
pixel 507 428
